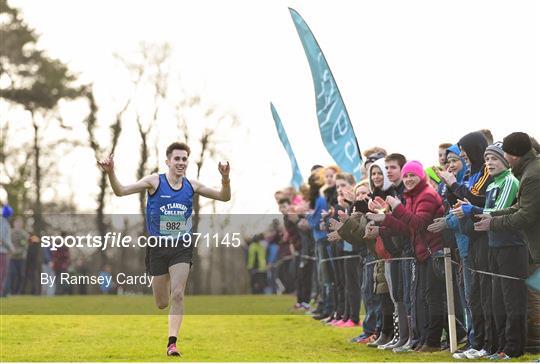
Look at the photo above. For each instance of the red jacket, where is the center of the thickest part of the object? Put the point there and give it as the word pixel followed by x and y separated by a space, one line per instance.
pixel 380 250
pixel 422 205
pixel 60 258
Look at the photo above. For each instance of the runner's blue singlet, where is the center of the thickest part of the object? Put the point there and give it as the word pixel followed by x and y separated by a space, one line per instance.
pixel 168 211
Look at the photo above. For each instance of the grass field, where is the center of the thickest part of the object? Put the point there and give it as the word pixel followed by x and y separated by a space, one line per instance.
pixel 204 336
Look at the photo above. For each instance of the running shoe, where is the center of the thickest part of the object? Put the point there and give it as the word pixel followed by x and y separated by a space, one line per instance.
pixel 381 340
pixel 390 344
pixel 331 322
pixel 407 348
pixel 350 323
pixel 475 354
pixel 305 306
pixel 368 339
pixel 462 354
pixel 499 356
pixel 172 351
pixel 321 316
pixel 359 337
pixel 429 349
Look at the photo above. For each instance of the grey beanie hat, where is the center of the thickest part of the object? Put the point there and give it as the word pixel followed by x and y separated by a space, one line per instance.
pixel 496 150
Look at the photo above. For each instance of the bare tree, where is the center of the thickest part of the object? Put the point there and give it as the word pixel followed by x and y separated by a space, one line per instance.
pixel 15 171
pixel 35 82
pixel 99 151
pixel 205 143
pixel 201 125
pixel 151 70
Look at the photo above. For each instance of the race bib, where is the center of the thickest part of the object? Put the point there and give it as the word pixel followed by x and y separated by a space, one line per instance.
pixel 174 225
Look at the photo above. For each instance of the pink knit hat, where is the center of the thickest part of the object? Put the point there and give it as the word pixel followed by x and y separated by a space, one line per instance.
pixel 297 200
pixel 415 168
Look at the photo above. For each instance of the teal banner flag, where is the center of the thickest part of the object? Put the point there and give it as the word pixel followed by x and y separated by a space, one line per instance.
pixel 296 179
pixel 335 126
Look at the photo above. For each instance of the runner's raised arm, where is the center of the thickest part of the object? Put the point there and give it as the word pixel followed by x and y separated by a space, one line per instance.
pixel 146 183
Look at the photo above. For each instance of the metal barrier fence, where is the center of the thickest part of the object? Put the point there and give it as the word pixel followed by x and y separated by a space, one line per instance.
pixel 448 281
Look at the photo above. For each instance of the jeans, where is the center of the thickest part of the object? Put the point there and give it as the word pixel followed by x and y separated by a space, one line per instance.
pixel 407 273
pixel 373 320
pixel 4 264
pixel 272 276
pixel 13 284
pixel 464 292
pixel 47 290
pixel 326 276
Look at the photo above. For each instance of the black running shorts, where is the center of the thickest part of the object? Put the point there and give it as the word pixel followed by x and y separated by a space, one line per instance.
pixel 159 259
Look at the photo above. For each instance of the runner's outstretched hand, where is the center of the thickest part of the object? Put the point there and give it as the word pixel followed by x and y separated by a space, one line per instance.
pixel 224 169
pixel 107 164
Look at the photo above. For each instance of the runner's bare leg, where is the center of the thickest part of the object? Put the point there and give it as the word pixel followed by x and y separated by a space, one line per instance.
pixel 161 288
pixel 179 274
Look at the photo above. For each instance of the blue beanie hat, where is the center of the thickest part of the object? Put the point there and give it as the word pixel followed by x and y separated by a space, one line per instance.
pixel 7 211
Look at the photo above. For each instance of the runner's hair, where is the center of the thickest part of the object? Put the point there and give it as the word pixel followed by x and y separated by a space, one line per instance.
pixel 177 146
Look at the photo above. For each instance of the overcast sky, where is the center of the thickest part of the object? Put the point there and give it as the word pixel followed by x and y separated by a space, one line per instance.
pixel 412 74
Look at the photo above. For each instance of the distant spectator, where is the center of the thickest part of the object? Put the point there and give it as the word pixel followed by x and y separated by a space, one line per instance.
pixel 6 247
pixel 535 145
pixel 442 153
pixel 487 135
pixel 433 179
pixel 272 257
pixel 61 261
pixel 372 154
pixel 81 270
pixel 524 216
pixel 289 193
pixel 256 264
pixel 278 195
pixel 33 266
pixel 329 188
pixel 47 267
pixel 19 239
pixel 107 286
pixel 375 150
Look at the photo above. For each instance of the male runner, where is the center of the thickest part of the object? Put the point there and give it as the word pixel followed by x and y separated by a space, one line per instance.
pixel 168 213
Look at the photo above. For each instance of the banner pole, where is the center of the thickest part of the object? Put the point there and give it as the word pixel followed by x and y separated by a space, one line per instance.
pixel 450 300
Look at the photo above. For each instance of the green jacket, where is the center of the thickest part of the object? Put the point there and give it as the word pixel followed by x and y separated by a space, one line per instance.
pixel 256 257
pixel 353 231
pixel 524 216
